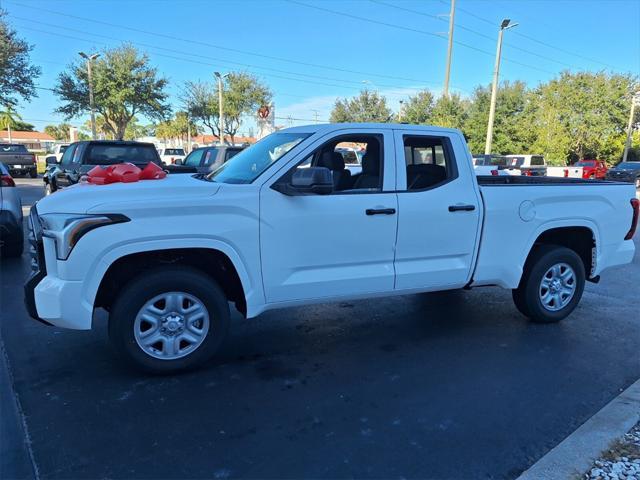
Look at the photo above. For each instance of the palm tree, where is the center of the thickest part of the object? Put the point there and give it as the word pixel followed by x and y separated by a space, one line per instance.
pixel 8 118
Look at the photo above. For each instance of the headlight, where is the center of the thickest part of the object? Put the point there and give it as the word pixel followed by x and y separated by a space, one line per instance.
pixel 67 228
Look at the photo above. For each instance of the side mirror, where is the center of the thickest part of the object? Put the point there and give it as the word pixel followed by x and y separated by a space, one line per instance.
pixel 317 180
pixel 51 160
pixel 178 161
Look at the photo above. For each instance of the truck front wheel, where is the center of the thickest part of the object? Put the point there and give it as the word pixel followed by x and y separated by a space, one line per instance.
pixel 169 319
pixel 551 285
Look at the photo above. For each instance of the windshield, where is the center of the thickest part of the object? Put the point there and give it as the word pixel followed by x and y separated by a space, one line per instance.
pixel 628 165
pixel 13 149
pixel 585 163
pixel 63 148
pixel 174 151
pixel 247 165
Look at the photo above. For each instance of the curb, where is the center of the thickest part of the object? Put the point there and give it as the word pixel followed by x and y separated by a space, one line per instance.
pixel 572 457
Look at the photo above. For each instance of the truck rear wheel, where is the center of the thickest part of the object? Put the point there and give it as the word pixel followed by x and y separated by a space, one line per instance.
pixel 552 284
pixel 169 319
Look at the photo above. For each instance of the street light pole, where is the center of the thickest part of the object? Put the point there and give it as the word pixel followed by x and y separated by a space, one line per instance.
pixel 90 59
pixel 627 145
pixel 447 72
pixel 505 25
pixel 219 76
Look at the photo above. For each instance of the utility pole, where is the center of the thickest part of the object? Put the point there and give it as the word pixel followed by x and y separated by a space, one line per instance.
pixel 627 145
pixel 90 59
pixel 219 76
pixel 315 115
pixel 447 72
pixel 505 25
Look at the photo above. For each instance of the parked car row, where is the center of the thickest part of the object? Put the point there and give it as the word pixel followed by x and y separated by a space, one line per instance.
pixel 80 157
pixel 11 236
pixel 535 165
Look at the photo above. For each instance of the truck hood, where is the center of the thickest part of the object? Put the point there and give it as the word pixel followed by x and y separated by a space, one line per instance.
pixel 116 197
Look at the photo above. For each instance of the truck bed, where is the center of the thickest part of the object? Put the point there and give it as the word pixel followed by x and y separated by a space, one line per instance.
pixel 490 180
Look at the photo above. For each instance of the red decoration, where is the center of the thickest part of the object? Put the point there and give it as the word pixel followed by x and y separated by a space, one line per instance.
pixel 124 173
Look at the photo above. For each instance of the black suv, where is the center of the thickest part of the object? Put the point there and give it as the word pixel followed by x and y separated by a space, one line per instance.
pixel 80 157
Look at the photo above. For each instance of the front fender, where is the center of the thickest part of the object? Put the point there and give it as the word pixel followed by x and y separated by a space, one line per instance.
pixel 253 292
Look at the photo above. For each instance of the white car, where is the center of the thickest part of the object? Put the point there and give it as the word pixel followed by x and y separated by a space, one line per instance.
pixel 171 156
pixel 284 223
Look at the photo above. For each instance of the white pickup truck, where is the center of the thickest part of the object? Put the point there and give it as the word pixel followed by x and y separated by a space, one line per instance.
pixel 284 223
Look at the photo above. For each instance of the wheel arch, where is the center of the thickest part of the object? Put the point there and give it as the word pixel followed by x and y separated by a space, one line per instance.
pixel 581 237
pixel 214 262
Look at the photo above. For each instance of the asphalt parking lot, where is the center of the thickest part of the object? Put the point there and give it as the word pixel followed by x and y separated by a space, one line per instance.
pixel 448 385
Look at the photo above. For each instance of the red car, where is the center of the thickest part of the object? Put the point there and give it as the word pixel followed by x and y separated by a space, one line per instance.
pixel 592 168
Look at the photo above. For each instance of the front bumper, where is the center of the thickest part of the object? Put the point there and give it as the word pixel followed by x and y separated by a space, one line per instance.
pixel 49 299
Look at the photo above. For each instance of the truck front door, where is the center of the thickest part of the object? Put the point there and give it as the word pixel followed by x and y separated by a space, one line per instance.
pixel 439 222
pixel 316 246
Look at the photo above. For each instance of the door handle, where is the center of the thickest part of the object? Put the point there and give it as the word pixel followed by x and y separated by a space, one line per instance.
pixel 462 208
pixel 380 211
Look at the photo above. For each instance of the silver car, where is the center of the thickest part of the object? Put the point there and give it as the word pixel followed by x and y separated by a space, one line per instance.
pixel 11 234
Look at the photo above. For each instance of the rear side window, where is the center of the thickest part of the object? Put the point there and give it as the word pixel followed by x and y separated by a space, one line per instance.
pixel 67 157
pixel 110 154
pixel 537 160
pixel 231 153
pixel 429 161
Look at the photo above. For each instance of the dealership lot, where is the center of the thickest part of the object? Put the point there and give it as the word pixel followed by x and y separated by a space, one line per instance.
pixel 455 384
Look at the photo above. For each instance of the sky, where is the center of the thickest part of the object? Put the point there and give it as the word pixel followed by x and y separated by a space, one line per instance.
pixel 311 52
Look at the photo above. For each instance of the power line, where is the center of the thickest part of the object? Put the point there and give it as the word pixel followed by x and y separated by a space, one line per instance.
pixel 232 62
pixel 220 47
pixel 533 39
pixel 413 30
pixel 182 59
pixel 475 32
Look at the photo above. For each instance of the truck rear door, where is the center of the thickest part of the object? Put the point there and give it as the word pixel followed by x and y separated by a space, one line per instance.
pixel 439 211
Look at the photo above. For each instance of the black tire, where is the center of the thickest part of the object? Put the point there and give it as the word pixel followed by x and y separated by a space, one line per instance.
pixel 33 173
pixel 146 286
pixel 527 296
pixel 47 189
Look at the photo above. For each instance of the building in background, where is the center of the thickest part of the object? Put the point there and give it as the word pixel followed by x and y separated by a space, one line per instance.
pixel 34 141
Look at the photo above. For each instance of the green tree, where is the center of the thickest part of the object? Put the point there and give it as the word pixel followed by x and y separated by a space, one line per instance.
pixel 366 107
pixel 418 108
pixel 124 84
pixel 201 101
pixel 176 128
pixel 59 132
pixel 583 115
pixel 8 120
pixel 136 130
pixel 449 112
pixel 242 95
pixel 17 74
pixel 512 128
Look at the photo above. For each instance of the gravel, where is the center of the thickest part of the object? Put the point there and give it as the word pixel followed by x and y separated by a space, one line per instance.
pixel 621 461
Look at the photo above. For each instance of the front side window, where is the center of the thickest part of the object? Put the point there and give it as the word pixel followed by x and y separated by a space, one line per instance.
pixel 251 162
pixel 427 161
pixel 193 159
pixel 366 178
